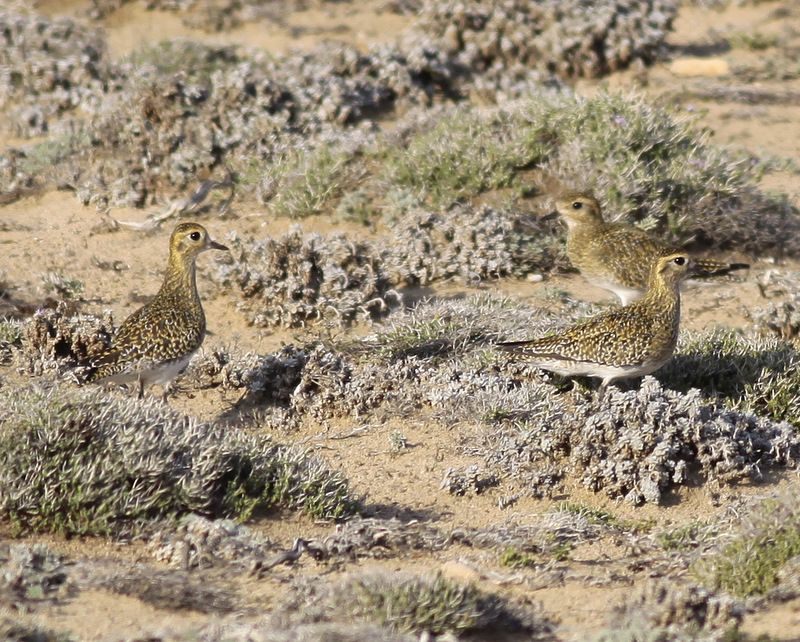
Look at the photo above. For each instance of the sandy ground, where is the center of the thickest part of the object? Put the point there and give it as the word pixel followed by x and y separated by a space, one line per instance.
pixel 53 233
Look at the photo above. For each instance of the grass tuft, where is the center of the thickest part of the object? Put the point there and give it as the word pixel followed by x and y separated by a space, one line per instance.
pixel 461 156
pixel 749 565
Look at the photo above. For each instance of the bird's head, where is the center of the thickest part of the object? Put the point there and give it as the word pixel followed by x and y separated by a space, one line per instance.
pixel 189 239
pixel 577 208
pixel 672 268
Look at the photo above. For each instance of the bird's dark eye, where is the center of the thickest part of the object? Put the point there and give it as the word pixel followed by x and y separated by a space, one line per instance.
pixel 195 236
pixel 577 205
pixel 679 261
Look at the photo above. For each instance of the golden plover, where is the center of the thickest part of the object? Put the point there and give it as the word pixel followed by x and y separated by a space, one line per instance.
pixel 155 343
pixel 629 341
pixel 618 256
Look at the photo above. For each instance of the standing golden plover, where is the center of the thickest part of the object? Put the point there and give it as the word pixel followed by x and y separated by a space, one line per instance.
pixel 155 343
pixel 630 341
pixel 618 256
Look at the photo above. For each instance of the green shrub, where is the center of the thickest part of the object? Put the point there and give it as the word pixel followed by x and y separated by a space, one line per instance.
pixel 464 154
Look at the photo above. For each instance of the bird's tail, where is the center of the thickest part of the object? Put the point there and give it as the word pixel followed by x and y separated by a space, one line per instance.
pixel 712 267
pixel 512 346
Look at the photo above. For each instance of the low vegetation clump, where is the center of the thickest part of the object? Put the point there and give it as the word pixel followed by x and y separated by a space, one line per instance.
pixel 418 604
pixel 31 576
pixel 669 613
pixel 636 446
pixel 304 182
pixel 559 37
pixel 301 278
pixel 52 65
pixel 85 462
pixel 748 374
pixel 748 562
pixel 10 338
pixel 15 629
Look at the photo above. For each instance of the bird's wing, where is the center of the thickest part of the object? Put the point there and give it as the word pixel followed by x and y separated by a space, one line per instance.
pixel 619 337
pixel 146 334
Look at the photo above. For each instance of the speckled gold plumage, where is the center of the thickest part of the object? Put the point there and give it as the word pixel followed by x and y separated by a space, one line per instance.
pixel 156 342
pixel 624 342
pixel 617 256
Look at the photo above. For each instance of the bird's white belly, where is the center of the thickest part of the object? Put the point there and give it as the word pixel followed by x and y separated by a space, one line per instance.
pixel 625 295
pixel 164 373
pixel 605 372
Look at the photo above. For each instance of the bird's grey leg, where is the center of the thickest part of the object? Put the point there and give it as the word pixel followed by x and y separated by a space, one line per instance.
pixel 140 387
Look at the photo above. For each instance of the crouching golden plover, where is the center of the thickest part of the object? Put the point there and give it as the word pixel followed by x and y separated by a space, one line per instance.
pixel 618 256
pixel 630 341
pixel 155 343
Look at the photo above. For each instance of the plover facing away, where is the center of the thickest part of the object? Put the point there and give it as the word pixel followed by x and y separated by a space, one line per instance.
pixel 617 256
pixel 155 343
pixel 629 341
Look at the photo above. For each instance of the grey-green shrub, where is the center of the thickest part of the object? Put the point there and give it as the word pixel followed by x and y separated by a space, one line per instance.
pixel 647 164
pixel 87 462
pixel 415 603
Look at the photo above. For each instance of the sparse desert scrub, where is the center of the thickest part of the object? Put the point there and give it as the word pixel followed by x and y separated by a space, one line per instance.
pixel 86 462
pixel 729 421
pixel 648 165
pixel 259 104
pixel 301 278
pixel 533 430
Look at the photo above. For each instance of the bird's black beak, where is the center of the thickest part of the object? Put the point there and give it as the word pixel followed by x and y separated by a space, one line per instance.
pixel 216 246
pixel 549 216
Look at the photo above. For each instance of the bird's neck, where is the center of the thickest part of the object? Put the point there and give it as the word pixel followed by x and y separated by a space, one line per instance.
pixel 180 279
pixel 663 295
pixel 580 233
